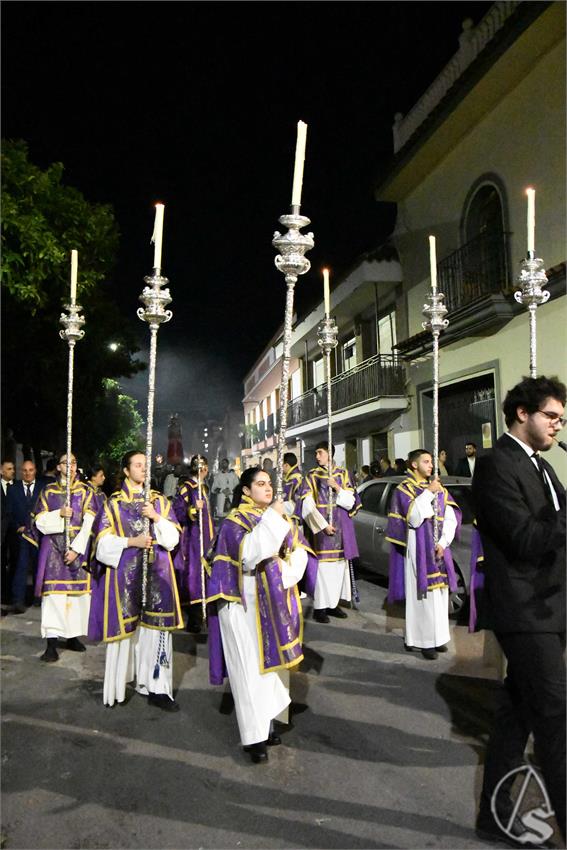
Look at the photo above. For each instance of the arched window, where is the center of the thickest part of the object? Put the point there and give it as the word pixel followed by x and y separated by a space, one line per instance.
pixel 484 214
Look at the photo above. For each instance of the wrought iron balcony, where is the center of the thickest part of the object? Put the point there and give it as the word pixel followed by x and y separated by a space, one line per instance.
pixel 379 376
pixel 478 269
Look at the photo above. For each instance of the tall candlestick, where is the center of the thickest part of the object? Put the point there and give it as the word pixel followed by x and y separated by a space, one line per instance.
pixel 157 236
pixel 299 161
pixel 531 220
pixel 326 292
pixel 74 267
pixel 433 263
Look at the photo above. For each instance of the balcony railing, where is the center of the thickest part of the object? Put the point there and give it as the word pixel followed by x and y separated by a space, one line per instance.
pixel 477 269
pixel 379 376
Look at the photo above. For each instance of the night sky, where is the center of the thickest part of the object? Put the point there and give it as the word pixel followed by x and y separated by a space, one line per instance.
pixel 196 104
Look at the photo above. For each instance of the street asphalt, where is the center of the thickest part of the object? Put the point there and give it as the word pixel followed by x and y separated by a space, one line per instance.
pixel 383 750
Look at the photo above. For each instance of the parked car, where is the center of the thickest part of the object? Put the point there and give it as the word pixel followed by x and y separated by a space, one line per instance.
pixel 370 525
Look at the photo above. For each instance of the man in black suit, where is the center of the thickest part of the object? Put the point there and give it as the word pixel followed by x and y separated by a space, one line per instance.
pixel 9 542
pixel 22 497
pixel 466 465
pixel 520 512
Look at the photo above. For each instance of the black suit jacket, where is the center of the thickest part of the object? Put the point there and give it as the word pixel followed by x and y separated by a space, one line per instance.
pixel 463 469
pixel 18 509
pixel 523 538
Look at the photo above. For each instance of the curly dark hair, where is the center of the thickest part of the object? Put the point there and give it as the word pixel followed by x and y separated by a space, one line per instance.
pixel 530 393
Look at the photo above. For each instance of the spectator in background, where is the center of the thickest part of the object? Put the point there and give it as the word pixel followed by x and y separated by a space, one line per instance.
pixel 51 470
pixel 443 468
pixel 9 539
pixel 363 475
pixel 224 484
pixel 375 470
pixel 171 481
pixel 22 497
pixel 386 467
pixel 400 467
pixel 465 466
pixel 268 466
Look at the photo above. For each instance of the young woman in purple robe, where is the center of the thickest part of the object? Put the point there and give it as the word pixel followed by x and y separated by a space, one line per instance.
pixel 186 506
pixel 255 618
pixel 138 638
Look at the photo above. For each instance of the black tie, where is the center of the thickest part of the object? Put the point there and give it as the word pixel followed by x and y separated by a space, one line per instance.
pixel 541 468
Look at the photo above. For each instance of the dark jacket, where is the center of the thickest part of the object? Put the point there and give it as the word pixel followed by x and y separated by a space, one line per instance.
pixel 17 506
pixel 523 539
pixel 463 469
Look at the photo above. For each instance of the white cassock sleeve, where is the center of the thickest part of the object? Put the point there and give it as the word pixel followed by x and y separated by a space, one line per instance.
pixel 265 538
pixel 345 499
pixel 166 533
pixel 312 517
pixel 292 571
pixel 421 509
pixel 50 522
pixel 79 544
pixel 449 527
pixel 289 508
pixel 110 547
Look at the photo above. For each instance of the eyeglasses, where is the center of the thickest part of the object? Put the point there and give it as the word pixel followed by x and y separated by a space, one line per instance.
pixel 553 417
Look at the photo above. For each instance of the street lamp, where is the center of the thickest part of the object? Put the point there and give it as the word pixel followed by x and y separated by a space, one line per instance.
pixel 114 346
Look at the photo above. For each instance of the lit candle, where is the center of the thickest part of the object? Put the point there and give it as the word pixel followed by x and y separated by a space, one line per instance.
pixel 326 292
pixel 531 220
pixel 157 236
pixel 433 263
pixel 74 267
pixel 299 161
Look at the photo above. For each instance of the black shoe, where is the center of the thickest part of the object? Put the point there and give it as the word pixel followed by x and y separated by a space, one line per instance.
pixel 273 740
pixel 37 602
pixel 163 701
pixel 337 612
pixel 258 752
pixel 488 830
pixel 320 615
pixel 20 608
pixel 444 648
pixel 408 648
pixel 75 645
pixel 430 654
pixel 50 653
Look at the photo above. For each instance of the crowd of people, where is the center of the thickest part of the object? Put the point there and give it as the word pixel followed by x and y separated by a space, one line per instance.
pixel 129 571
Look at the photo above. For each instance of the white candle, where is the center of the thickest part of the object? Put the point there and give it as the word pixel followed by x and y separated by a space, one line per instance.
pixel 157 236
pixel 299 161
pixel 326 292
pixel 433 263
pixel 74 267
pixel 531 220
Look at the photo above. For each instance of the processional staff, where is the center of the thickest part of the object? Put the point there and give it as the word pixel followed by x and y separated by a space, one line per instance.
pixel 531 278
pixel 155 300
pixel 200 467
pixel 291 261
pixel 436 311
pixel 73 323
pixel 327 333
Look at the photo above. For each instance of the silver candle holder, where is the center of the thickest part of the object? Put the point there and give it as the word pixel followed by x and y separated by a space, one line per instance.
pixel 435 311
pixel 73 323
pixel 327 333
pixel 155 300
pixel 200 466
pixel 291 261
pixel 531 278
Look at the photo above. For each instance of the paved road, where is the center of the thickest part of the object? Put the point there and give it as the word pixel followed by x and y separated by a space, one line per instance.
pixel 382 751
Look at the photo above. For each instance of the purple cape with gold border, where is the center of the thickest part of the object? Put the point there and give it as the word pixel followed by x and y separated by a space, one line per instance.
pixel 116 604
pixel 53 575
pixel 342 545
pixel 279 614
pixel 187 560
pixel 430 573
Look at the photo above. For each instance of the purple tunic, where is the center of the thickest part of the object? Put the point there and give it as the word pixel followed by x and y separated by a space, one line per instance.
pixel 53 574
pixel 291 488
pixel 187 560
pixel 477 575
pixel 116 604
pixel 430 573
pixel 99 498
pixel 341 545
pixel 279 614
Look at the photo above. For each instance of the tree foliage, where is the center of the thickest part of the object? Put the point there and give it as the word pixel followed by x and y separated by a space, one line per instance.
pixel 42 221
